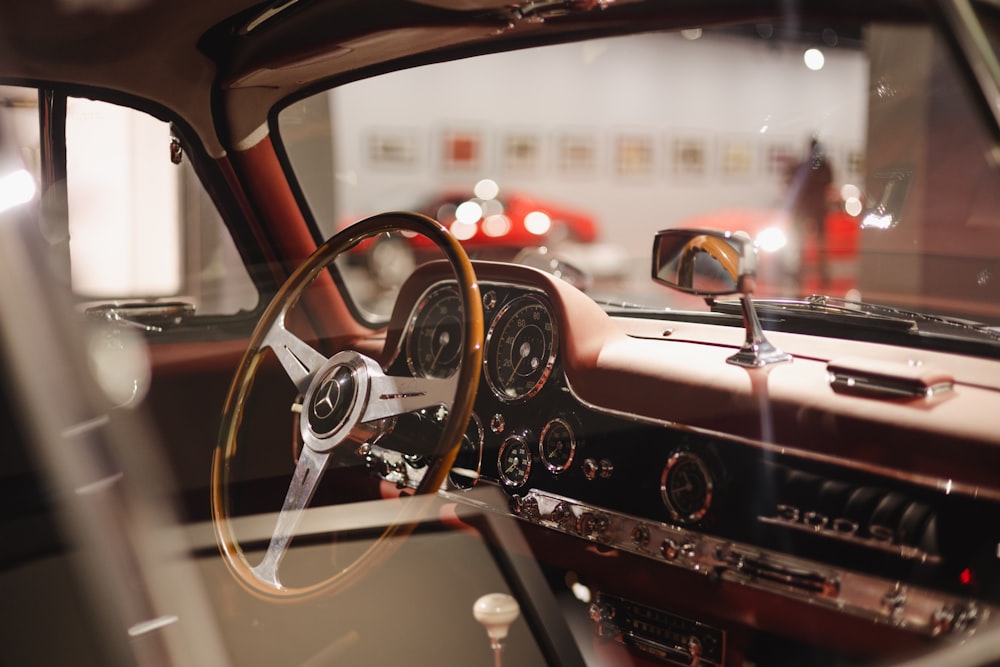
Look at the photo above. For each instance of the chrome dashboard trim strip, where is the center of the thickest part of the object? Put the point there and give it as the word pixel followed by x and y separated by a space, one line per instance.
pixel 878 600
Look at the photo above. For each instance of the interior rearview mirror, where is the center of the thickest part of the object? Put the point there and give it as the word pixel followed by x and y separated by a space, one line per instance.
pixel 706 262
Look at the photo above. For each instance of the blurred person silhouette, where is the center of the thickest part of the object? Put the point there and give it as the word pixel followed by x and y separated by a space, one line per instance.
pixel 809 181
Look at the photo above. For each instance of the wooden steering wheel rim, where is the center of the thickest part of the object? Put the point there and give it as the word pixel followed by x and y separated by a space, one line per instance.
pixel 715 247
pixel 459 411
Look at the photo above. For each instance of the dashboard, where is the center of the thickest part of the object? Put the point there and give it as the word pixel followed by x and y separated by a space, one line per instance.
pixel 632 450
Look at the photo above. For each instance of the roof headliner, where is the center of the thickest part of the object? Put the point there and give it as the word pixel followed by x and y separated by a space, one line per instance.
pixel 174 53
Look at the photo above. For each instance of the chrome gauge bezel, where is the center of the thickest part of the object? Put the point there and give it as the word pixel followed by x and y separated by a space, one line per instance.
pixel 543 450
pixel 497 326
pixel 676 461
pixel 475 428
pixel 503 470
pixel 411 338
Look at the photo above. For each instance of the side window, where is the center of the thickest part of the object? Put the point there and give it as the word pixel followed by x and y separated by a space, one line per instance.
pixel 141 228
pixel 124 204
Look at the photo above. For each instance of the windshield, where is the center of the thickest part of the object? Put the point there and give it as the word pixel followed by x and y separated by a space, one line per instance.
pixel 854 156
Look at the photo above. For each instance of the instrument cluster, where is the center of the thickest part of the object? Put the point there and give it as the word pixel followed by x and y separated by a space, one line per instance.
pixel 521 341
pixel 508 436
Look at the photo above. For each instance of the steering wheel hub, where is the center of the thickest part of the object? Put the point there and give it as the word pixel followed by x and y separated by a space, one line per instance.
pixel 332 401
pixel 337 400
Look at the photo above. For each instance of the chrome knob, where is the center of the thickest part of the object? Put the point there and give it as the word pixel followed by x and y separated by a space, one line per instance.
pixel 526 507
pixel 590 524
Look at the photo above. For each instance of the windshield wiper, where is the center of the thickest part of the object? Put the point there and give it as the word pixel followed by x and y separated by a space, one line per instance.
pixel 835 311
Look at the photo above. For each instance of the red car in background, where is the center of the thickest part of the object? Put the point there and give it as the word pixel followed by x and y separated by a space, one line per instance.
pixel 489 225
pixel 789 261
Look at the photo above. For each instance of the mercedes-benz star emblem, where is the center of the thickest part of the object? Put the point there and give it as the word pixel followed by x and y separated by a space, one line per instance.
pixel 332 402
pixel 326 398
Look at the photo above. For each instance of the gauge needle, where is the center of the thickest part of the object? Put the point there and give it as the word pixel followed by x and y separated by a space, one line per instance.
pixel 688 486
pixel 513 464
pixel 524 352
pixel 442 342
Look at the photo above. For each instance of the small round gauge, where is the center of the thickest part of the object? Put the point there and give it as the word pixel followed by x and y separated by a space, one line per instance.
pixel 520 349
pixel 468 463
pixel 514 461
pixel 557 445
pixel 434 338
pixel 686 486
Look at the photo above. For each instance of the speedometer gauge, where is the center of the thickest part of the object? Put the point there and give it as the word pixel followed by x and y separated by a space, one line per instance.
pixel 520 349
pixel 434 338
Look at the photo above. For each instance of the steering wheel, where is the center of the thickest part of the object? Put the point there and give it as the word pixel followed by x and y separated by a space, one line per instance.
pixel 348 400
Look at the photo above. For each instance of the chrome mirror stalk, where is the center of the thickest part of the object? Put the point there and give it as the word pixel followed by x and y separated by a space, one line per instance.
pixel 757 351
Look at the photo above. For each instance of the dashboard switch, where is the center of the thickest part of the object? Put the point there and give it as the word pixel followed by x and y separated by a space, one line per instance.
pixel 640 535
pixel 497 423
pixel 525 507
pixel 592 469
pixel 592 524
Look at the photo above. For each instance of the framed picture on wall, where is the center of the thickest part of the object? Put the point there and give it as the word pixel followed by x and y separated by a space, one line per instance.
pixel 855 163
pixel 576 153
pixel 736 158
pixel 780 157
pixel 391 148
pixel 633 155
pixel 461 149
pixel 521 151
pixel 687 156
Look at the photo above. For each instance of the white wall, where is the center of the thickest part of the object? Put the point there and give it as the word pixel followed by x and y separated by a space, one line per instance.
pixel 657 85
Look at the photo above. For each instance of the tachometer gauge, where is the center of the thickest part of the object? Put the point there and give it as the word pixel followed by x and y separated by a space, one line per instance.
pixel 434 337
pixel 686 486
pixel 514 461
pixel 557 445
pixel 469 460
pixel 520 349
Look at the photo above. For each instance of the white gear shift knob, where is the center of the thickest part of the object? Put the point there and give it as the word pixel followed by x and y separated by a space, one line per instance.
pixel 496 611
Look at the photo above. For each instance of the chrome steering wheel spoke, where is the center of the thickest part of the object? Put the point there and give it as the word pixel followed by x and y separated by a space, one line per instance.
pixel 308 473
pixel 392 396
pixel 297 357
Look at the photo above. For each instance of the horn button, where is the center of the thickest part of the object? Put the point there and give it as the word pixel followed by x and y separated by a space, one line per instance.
pixel 332 401
pixel 336 401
